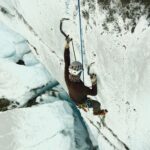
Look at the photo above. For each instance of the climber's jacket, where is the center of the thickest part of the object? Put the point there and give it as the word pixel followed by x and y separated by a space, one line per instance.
pixel 77 90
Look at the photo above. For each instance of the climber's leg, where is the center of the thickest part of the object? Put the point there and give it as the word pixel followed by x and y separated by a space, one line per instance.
pixel 96 107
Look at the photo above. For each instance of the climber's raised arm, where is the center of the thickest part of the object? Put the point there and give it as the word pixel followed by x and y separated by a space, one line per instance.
pixel 67 58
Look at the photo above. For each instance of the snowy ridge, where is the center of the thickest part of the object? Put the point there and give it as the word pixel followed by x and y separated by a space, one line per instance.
pixel 122 59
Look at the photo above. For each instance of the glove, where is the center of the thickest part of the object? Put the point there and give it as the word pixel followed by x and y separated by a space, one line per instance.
pixel 68 39
pixel 93 78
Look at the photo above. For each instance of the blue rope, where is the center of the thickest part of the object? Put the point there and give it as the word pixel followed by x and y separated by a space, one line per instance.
pixel 81 36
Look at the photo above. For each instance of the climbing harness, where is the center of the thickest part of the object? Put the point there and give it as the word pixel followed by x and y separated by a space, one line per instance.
pixel 66 36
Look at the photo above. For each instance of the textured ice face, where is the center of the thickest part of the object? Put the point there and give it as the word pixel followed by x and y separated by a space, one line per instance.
pixel 116 38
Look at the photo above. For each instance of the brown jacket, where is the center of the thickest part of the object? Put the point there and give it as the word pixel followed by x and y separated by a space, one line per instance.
pixel 77 90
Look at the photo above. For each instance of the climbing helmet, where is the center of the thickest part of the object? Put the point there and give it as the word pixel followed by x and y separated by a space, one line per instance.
pixel 75 68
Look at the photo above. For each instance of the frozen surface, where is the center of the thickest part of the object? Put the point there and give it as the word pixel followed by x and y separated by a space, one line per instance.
pixel 37 128
pixel 121 59
pixel 52 123
pixel 17 80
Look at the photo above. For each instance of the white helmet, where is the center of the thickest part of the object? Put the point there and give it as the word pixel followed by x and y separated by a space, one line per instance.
pixel 75 68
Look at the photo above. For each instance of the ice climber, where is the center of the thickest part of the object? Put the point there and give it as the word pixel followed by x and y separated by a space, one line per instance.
pixel 77 90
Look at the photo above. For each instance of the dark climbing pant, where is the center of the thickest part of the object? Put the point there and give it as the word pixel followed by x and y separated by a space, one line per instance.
pixel 93 104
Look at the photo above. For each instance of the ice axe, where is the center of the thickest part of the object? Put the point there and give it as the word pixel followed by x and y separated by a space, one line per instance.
pixel 61 25
pixel 89 66
pixel 66 35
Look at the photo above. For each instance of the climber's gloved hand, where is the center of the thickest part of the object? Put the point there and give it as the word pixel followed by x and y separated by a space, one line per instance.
pixel 68 39
pixel 93 78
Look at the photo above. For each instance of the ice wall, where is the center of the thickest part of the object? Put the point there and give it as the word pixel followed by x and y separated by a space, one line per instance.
pixel 113 39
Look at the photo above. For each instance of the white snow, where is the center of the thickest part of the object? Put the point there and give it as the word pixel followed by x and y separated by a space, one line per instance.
pixel 53 123
pixel 17 80
pixel 37 128
pixel 121 62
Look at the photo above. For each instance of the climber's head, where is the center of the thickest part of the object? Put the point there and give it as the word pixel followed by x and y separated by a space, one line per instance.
pixel 75 70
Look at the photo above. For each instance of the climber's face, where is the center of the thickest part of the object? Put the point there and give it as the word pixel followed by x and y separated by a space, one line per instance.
pixel 75 68
pixel 75 72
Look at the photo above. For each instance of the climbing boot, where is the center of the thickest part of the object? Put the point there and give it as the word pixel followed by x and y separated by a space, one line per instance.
pixel 102 112
pixel 83 106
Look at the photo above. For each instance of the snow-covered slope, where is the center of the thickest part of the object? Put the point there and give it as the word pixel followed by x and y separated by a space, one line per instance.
pixel 55 124
pixel 115 37
pixel 16 80
pixel 38 128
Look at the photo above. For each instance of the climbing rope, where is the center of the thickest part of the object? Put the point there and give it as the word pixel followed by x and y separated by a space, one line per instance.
pixel 73 50
pixel 81 35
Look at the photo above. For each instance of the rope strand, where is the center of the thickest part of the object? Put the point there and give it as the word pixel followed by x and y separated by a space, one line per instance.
pixel 73 50
pixel 81 40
